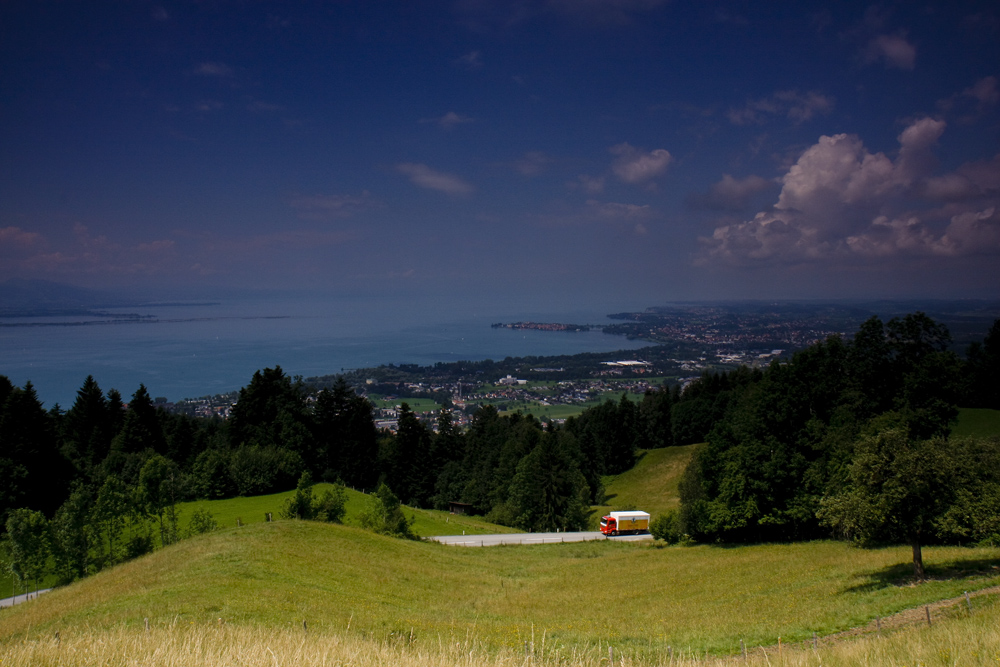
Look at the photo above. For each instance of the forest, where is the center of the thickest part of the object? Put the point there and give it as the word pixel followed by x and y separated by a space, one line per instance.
pixel 849 438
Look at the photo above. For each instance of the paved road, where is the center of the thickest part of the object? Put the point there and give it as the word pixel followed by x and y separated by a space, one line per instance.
pixel 18 599
pixel 529 538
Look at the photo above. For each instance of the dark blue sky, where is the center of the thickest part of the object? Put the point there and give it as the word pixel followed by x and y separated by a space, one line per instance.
pixel 545 152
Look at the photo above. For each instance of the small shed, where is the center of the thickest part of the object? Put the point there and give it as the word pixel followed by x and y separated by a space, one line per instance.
pixel 459 508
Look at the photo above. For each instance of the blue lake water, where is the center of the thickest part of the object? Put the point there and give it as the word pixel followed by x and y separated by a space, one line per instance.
pixel 213 349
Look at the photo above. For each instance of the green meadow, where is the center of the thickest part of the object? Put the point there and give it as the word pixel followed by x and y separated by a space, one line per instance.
pixel 254 509
pixel 641 598
pixel 308 593
pixel 977 422
pixel 651 485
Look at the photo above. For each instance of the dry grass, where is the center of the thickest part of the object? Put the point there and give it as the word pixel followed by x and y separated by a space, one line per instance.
pixel 962 639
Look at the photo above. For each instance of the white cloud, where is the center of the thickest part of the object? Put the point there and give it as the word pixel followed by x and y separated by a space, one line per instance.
pixel 732 194
pixel 15 236
pixel 470 61
pixel 617 211
pixel 448 120
pixel 636 166
pixel 590 184
pixel 213 69
pixel 968 233
pixel 984 91
pixel 533 163
pixel 797 107
pixel 892 50
pixel 841 200
pixel 425 177
pixel 329 207
pixel 974 102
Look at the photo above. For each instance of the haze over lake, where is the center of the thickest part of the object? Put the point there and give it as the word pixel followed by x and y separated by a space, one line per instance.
pixel 196 350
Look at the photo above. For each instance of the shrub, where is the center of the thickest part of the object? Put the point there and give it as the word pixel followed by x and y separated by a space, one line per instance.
pixel 300 505
pixel 202 521
pixel 666 527
pixel 384 515
pixel 331 505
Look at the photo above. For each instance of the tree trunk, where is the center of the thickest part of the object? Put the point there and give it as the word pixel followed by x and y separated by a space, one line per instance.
pixel 918 559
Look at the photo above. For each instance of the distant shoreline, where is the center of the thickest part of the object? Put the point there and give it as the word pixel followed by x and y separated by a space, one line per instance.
pixel 141 319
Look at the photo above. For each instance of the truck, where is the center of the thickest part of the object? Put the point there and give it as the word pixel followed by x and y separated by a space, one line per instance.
pixel 625 523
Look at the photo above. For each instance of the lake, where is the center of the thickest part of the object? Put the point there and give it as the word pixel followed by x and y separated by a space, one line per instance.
pixel 197 350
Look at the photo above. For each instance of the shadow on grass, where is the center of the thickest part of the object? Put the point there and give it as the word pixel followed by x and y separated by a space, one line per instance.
pixel 901 574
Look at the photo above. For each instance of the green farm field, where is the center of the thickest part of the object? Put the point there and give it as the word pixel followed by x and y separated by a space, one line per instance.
pixel 416 404
pixel 373 593
pixel 564 411
pixel 977 422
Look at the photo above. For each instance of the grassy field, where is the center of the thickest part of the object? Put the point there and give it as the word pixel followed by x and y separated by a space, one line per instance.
pixel 563 411
pixel 376 596
pixel 651 485
pixel 977 422
pixel 252 510
pixel 961 639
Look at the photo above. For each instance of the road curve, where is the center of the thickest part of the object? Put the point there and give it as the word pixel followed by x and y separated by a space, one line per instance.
pixel 530 538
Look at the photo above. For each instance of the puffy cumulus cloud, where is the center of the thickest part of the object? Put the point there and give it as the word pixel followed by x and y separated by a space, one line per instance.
pixel 797 107
pixel 892 50
pixel 840 200
pixel 331 207
pixel 973 180
pixel 637 166
pixel 770 235
pixel 838 175
pixel 449 120
pixel 968 233
pixel 425 177
pixel 972 232
pixel 731 194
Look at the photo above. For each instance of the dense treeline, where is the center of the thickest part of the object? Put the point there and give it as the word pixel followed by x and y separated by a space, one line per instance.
pixel 104 477
pixel 849 435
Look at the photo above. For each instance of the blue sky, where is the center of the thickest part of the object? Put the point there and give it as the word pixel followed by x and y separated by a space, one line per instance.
pixel 510 151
